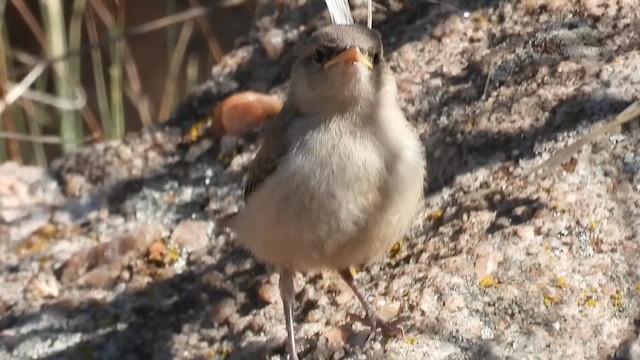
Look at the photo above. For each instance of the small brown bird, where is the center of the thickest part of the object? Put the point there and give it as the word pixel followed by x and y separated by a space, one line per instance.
pixel 339 175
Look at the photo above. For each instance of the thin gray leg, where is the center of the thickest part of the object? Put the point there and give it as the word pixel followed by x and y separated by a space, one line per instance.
pixel 287 292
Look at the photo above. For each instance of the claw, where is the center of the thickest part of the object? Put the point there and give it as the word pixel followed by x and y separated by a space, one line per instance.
pixel 389 329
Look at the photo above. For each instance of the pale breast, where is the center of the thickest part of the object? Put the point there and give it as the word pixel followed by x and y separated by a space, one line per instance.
pixel 321 197
pixel 400 195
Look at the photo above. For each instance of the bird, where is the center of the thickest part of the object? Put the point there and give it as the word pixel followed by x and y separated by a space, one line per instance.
pixel 339 175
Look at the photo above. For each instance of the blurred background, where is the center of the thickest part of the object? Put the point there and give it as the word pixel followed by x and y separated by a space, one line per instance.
pixel 74 72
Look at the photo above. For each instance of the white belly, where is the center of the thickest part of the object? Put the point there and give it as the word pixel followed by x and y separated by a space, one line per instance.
pixel 333 205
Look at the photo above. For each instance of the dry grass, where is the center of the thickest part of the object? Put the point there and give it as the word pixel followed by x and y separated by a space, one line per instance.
pixel 69 74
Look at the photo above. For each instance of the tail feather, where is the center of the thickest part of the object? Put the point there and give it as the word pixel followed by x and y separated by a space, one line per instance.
pixel 339 12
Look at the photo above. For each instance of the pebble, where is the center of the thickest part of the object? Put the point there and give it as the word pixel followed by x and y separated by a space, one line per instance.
pixel 75 266
pixel 213 279
pixel 314 315
pixel 109 253
pixel 336 337
pixel 344 297
pixel 157 251
pixel 44 286
pixel 526 233
pixel 388 311
pixel 75 185
pixel 269 293
pixel 103 277
pixel 223 310
pixel 273 43
pixel 192 234
pixel 487 264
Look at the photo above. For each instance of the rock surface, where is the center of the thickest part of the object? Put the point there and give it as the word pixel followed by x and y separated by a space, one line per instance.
pixel 92 265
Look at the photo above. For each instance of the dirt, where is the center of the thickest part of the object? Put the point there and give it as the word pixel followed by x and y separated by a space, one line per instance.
pixel 114 252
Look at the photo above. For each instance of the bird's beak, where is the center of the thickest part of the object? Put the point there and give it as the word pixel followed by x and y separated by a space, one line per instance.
pixel 352 55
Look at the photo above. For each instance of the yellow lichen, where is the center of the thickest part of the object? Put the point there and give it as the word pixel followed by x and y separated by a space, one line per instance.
pixel 33 245
pixel 617 299
pixel 48 231
pixel 550 300
pixel 412 341
pixel 198 129
pixel 226 158
pixel 480 20
pixel 354 271
pixel 488 281
pixel 588 299
pixel 561 282
pixel 222 353
pixel 39 240
pixel 436 216
pixel 173 254
pixel 591 302
pixel 637 288
pixel 395 250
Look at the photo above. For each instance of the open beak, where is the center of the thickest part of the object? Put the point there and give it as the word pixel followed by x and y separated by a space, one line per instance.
pixel 350 56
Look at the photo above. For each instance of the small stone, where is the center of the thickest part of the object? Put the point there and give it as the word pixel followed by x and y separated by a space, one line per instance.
pixel 45 286
pixel 124 152
pixel 140 239
pixel 429 302
pixel 75 266
pixel 138 282
pixel 165 273
pixel 156 251
pixel 222 310
pixel 213 279
pixel 486 333
pixel 314 315
pixel 76 185
pixel 344 297
pixel 336 337
pixel 192 234
pixel 487 262
pixel 125 275
pixel 240 324
pixel 269 293
pixel 103 277
pixel 388 311
pixel 526 232
pixel 273 43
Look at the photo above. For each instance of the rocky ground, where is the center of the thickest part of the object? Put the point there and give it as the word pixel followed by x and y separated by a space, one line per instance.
pixel 114 252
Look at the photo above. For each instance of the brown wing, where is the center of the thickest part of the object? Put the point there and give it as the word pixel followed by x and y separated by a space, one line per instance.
pixel 272 149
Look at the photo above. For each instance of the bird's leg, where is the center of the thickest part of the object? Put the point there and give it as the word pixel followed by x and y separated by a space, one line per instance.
pixel 388 328
pixel 287 292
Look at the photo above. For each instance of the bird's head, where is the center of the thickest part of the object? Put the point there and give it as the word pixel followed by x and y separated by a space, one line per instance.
pixel 340 67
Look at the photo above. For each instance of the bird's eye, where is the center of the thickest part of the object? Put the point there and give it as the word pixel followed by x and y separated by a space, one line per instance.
pixel 376 58
pixel 318 56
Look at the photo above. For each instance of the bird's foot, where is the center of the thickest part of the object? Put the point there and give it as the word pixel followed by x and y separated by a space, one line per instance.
pixel 388 328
